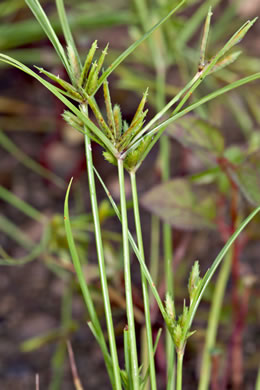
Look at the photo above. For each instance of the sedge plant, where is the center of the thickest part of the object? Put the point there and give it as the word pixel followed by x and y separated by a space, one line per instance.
pixel 126 145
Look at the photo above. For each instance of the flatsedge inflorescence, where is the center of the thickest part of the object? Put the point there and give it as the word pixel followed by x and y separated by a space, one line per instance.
pixel 84 82
pixel 179 326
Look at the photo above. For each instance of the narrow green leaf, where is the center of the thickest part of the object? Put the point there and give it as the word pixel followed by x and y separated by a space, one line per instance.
pixel 135 249
pixel 67 34
pixel 158 130
pixel 64 84
pixel 204 40
pixel 43 20
pixel 90 125
pixel 194 84
pixel 209 274
pixel 239 35
pixel 194 22
pixel 131 48
pixel 83 285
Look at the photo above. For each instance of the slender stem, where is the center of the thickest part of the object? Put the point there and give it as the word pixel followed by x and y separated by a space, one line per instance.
pixel 102 268
pixel 127 275
pixel 144 283
pixel 179 371
pixel 169 346
pixel 168 254
pixel 213 321
pixel 154 252
pixel 257 385
pixel 136 250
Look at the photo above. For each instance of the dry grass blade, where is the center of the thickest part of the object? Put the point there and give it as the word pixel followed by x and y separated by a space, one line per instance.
pixel 74 371
pixel 37 382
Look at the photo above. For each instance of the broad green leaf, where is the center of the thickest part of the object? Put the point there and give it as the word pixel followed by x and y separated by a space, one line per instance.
pixel 247 177
pixel 197 133
pixel 181 204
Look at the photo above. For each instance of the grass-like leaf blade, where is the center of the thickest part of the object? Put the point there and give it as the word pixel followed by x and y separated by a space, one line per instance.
pixel 131 48
pixel 89 124
pixel 83 285
pixel 43 20
pixel 209 274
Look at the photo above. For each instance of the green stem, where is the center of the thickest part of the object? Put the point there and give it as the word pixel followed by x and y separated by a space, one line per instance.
pixel 101 262
pixel 179 370
pixel 136 250
pixel 144 283
pixel 127 275
pixel 154 252
pixel 257 385
pixel 168 254
pixel 214 314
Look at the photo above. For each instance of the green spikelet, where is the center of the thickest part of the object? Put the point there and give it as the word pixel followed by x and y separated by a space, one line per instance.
pixel 183 318
pixel 132 131
pixel 140 108
pixel 68 87
pixel 169 306
pixel 134 157
pixel 74 63
pixel 86 67
pixel 76 96
pixel 69 117
pixel 92 79
pixel 110 158
pixel 239 35
pixel 177 334
pixel 118 120
pixel 225 62
pixel 194 280
pixel 110 115
pixel 73 121
pixel 102 58
pixel 94 107
pixel 125 126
